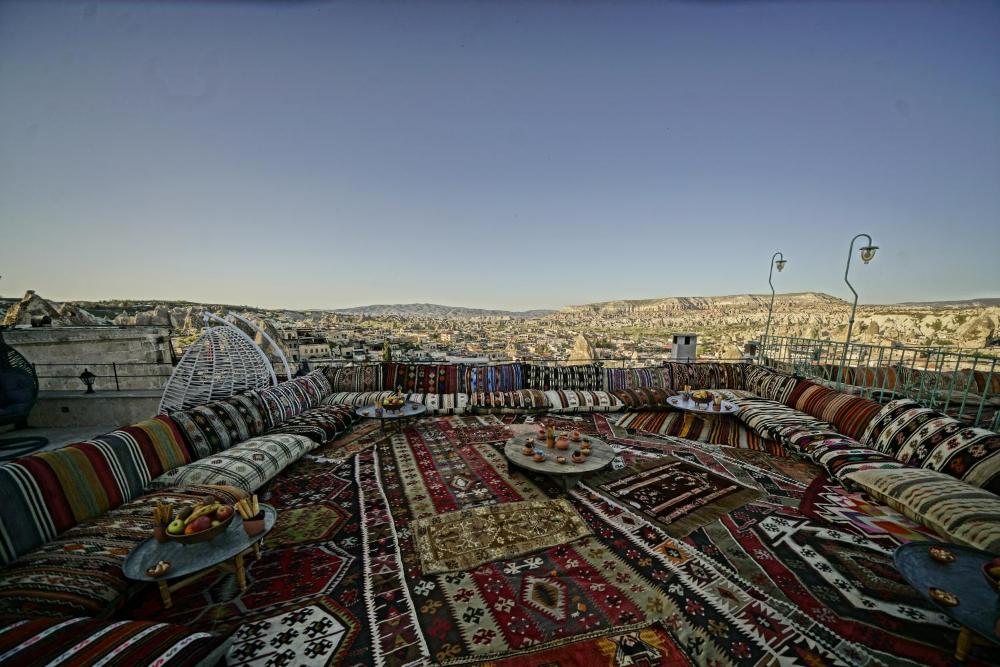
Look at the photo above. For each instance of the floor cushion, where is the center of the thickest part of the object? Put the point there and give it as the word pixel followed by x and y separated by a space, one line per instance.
pixel 837 453
pixel 648 377
pixel 357 399
pixel 287 399
pixel 248 465
pixel 958 511
pixel 849 414
pixel 442 404
pixel 45 493
pixel 421 378
pixel 219 425
pixel 569 400
pixel 79 572
pixel 926 438
pixel 643 398
pixel 769 384
pixel 767 418
pixel 320 424
pixel 88 642
pixel 505 402
pixel 363 377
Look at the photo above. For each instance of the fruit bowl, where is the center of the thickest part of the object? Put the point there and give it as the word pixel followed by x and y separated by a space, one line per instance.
pixel 393 402
pixel 206 534
pixel 701 396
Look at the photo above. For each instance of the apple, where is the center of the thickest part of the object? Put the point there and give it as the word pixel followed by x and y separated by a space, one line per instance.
pixel 995 562
pixel 201 523
pixel 224 512
pixel 176 527
pixel 994 571
pixel 189 529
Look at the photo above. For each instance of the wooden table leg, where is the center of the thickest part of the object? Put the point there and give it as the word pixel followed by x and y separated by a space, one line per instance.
pixel 963 644
pixel 241 574
pixel 256 550
pixel 165 594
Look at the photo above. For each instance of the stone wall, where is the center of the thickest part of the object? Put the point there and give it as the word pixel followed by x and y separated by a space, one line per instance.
pixel 139 356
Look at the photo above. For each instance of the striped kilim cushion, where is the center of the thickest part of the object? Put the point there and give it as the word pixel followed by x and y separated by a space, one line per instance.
pixel 366 377
pixel 320 424
pixel 582 401
pixel 358 399
pixel 837 453
pixel 442 404
pixel 46 493
pixel 486 379
pixel 768 384
pixel 86 642
pixel 928 439
pixel 523 400
pixel 287 399
pixel 79 572
pixel 588 377
pixel 655 377
pixel 849 414
pixel 768 418
pixel 315 385
pixel 422 378
pixel 641 398
pixel 961 512
pixel 248 465
pixel 219 425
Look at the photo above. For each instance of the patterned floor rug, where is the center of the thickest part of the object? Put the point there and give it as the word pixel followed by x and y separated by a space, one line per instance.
pixel 674 495
pixel 464 539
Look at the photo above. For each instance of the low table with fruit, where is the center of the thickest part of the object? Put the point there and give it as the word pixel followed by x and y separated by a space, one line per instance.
pixel 701 401
pixel 962 582
pixel 210 537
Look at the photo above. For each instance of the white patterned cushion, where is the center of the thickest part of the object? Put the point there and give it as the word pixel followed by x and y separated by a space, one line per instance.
pixel 248 465
pixel 582 401
pixel 961 512
pixel 442 404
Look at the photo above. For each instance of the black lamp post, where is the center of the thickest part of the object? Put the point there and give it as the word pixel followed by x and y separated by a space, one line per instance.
pixel 87 378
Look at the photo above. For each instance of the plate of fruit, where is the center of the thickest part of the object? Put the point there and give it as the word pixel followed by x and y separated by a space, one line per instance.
pixel 991 570
pixel 393 402
pixel 701 396
pixel 200 523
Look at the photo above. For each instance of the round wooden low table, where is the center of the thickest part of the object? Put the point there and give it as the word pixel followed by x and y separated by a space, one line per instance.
pixel 726 408
pixel 410 409
pixel 191 562
pixel 565 474
pixel 978 608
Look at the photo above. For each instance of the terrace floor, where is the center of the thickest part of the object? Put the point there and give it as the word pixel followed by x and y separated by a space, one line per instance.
pixel 796 568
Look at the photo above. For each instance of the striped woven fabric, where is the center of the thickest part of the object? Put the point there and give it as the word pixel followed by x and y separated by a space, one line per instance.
pixel 46 493
pixel 422 378
pixel 315 385
pixel 366 377
pixel 767 418
pixel 487 379
pixel 285 400
pixel 768 383
pixel 958 511
pixel 928 439
pixel 636 378
pixel 442 404
pixel 85 642
pixel 641 398
pixel 219 425
pixel 522 400
pixel 79 572
pixel 837 453
pixel 582 401
pixel 849 414
pixel 247 465
pixel 693 427
pixel 588 377
pixel 320 424
pixel 356 399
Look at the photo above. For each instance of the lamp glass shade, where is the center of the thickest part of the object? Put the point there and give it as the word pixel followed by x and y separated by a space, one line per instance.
pixel 780 264
pixel 868 253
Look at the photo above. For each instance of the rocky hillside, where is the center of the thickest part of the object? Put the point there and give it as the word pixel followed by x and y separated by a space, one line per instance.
pixel 434 311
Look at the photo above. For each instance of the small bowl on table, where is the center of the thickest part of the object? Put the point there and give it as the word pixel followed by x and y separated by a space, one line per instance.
pixel 204 536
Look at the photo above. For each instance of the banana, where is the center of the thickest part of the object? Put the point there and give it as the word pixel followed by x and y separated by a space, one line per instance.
pixel 201 511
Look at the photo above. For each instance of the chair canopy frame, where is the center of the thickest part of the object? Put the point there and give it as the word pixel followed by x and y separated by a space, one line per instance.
pixel 224 361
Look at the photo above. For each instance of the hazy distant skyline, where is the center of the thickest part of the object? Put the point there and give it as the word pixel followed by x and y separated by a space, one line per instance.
pixel 496 155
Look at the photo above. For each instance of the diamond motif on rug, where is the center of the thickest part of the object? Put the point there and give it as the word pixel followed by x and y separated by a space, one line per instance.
pixel 547 596
pixel 309 635
pixel 466 538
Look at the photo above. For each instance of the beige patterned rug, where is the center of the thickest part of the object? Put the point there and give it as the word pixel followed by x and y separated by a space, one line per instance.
pixel 464 539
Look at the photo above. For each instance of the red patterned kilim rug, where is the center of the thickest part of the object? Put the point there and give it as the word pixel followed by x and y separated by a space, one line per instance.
pixel 339 581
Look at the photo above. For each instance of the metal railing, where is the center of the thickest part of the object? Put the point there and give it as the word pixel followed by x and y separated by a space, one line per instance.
pixel 109 376
pixel 961 383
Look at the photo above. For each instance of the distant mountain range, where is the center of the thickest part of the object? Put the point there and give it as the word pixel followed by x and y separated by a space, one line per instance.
pixel 964 303
pixel 435 311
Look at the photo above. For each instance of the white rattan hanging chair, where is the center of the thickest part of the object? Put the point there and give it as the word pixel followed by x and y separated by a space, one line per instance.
pixel 223 361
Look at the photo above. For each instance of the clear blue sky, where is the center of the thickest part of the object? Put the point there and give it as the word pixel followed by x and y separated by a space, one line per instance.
pixel 501 155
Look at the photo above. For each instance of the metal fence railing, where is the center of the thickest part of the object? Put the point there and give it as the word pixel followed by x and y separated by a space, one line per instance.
pixel 109 376
pixel 961 383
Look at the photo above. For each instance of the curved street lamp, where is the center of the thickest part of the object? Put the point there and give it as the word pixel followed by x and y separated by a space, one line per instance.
pixel 867 255
pixel 779 264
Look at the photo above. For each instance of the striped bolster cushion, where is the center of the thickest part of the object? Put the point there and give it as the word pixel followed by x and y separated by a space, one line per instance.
pixel 219 425
pixel 522 400
pixel 768 418
pixel 366 377
pixel 961 512
pixel 487 379
pixel 850 414
pixel 442 404
pixel 769 384
pixel 356 399
pixel 46 493
pixel 582 401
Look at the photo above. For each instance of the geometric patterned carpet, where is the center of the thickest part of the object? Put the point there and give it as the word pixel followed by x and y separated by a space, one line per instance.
pixel 339 582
